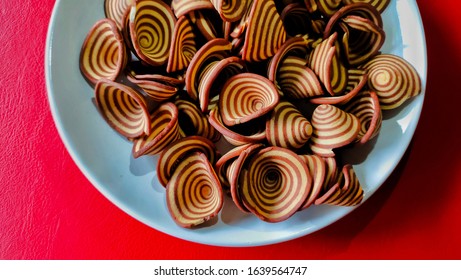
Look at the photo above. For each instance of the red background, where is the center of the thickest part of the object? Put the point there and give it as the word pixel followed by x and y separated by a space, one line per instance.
pixel 49 210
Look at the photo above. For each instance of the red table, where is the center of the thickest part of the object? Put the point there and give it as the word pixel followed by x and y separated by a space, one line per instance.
pixel 49 210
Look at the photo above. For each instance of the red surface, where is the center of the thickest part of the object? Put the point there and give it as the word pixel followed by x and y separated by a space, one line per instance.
pixel 49 210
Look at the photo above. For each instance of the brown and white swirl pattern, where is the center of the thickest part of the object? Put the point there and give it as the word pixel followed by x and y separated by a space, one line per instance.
pixel 164 130
pixel 183 46
pixel 265 32
pixel 318 170
pixel 183 7
pixel 287 127
pixel 245 97
pixel 356 81
pixel 393 79
pixel 103 53
pixel 327 65
pixel 214 50
pixel 124 109
pixel 380 5
pixel 194 194
pixel 156 90
pixel 365 106
pixel 115 9
pixel 151 29
pixel 346 192
pixel 230 10
pixel 333 128
pixel 360 28
pixel 238 135
pixel 214 75
pixel 237 170
pixel 328 7
pixel 298 81
pixel 275 184
pixel 193 122
pixel 174 154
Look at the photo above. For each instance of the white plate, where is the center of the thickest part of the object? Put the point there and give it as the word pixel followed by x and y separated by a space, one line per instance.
pixel 105 157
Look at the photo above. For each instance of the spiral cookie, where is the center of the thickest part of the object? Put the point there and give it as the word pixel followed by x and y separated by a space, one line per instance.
pixel 328 7
pixel 356 80
pixel 276 184
pixel 194 194
pixel 361 28
pixel 164 130
pixel 365 106
pixel 115 9
pixel 265 32
pixel 287 127
pixel 346 192
pixel 214 50
pixel 214 76
pixel 175 153
pixel 380 5
pixel 230 10
pixel 183 7
pixel 318 170
pixel 295 46
pixel 151 31
pixel 156 90
pixel 327 65
pixel 393 79
pixel 193 122
pixel 237 135
pixel 298 81
pixel 123 108
pixel 245 97
pixel 333 128
pixel 183 46
pixel 103 53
